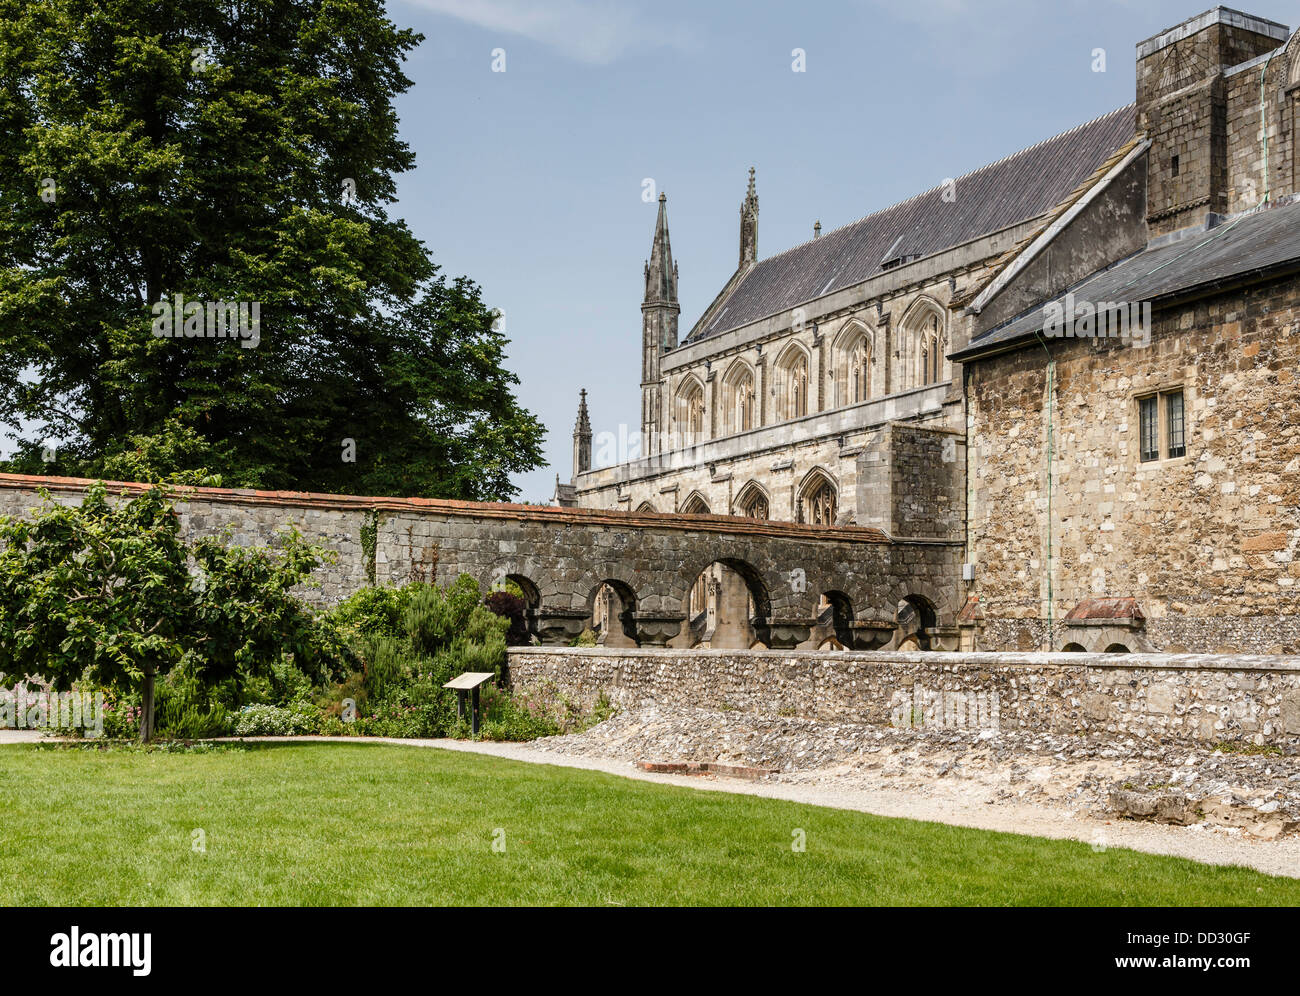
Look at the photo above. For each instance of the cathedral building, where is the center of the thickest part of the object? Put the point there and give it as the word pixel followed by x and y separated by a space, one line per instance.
pixel 1081 362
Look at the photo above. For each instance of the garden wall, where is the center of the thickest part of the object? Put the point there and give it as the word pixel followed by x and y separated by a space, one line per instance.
pixel 1188 697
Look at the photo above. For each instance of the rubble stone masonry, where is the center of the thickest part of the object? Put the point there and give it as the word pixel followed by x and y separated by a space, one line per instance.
pixel 1189 698
pixel 1208 543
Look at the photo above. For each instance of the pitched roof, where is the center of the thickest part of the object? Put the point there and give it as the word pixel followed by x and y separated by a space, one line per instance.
pixel 1253 245
pixel 1013 190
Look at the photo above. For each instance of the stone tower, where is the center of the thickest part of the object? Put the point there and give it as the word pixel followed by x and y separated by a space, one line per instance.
pixel 659 311
pixel 581 438
pixel 1182 106
pixel 749 225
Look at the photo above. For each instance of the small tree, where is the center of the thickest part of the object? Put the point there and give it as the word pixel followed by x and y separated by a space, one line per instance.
pixel 105 591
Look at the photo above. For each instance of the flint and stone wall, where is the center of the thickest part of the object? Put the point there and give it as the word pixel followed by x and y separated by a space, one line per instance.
pixel 1206 542
pixel 1192 697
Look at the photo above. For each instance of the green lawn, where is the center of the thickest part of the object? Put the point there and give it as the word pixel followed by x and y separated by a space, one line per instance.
pixel 342 824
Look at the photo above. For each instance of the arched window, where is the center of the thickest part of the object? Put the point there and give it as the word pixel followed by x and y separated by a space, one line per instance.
pixel 690 412
pixel 791 388
pixel 818 501
pixel 738 399
pixel 933 346
pixel 851 371
pixel 753 503
pixel 695 505
pixel 925 340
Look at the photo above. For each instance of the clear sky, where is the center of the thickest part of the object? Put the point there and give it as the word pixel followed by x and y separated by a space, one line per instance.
pixel 530 180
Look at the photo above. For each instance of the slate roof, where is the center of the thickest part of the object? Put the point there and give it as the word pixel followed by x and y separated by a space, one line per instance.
pixel 1249 246
pixel 1018 188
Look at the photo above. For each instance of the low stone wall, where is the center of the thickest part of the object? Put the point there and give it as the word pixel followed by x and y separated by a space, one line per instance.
pixel 1193 697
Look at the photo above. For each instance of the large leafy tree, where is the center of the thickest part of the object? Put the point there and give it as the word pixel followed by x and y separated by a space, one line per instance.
pixel 238 151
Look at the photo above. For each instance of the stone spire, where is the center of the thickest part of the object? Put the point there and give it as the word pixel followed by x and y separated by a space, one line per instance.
pixel 749 225
pixel 581 438
pixel 660 270
pixel 659 313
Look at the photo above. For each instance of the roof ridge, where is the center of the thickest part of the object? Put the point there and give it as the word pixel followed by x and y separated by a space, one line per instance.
pixel 939 186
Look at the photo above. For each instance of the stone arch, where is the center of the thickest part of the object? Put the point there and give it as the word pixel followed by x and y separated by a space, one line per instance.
pixel 924 344
pixel 688 412
pixel 1074 648
pixel 1116 648
pixel 737 411
pixel 532 594
pixel 852 359
pixel 835 619
pixel 695 504
pixel 611 607
pixel 790 380
pixel 817 498
pixel 645 506
pixel 727 604
pixel 915 615
pixel 539 594
pixel 753 502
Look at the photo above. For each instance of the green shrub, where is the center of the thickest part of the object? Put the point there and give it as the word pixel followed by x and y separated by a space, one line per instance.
pixel 372 612
pixel 434 618
pixel 386 665
pixel 192 722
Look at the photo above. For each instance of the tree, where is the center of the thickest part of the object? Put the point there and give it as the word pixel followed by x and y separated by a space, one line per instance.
pixel 105 592
pixel 206 153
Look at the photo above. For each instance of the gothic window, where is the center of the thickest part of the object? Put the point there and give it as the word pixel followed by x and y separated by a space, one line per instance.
pixel 818 503
pixel 931 351
pixel 852 367
pixel 690 413
pixel 924 344
pixel 821 506
pixel 792 384
pixel 752 503
pixel 695 505
pixel 738 399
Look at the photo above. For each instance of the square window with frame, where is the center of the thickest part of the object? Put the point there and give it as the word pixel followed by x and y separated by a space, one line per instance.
pixel 1162 426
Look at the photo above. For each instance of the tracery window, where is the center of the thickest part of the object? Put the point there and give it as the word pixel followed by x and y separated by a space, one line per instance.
pixel 852 368
pixel 753 503
pixel 819 503
pixel 690 413
pixel 792 384
pixel 738 399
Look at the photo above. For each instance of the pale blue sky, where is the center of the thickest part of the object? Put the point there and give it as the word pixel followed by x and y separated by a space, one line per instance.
pixel 530 180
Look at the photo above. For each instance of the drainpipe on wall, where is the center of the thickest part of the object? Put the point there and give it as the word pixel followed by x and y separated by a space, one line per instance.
pixel 968 380
pixel 1051 377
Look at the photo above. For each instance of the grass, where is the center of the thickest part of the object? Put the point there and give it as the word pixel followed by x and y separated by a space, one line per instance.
pixel 344 824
